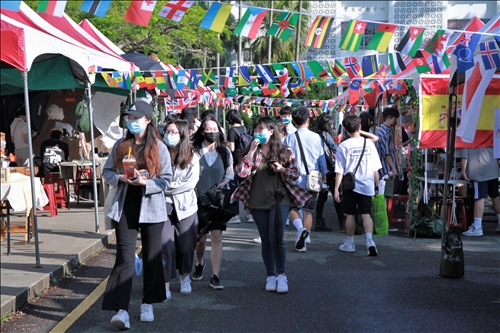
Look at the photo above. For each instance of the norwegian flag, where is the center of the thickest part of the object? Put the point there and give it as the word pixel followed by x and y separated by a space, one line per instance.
pixel 352 66
pixel 489 55
pixel 175 10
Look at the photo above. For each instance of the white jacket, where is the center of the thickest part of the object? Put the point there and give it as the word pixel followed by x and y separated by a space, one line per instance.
pixel 181 191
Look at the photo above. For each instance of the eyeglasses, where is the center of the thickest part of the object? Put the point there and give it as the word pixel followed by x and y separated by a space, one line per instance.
pixel 171 132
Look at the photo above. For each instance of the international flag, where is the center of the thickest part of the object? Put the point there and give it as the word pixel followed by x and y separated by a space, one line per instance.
pixel 244 77
pixel 127 81
pixel 231 92
pixel 255 88
pixel 268 88
pixel 208 78
pixel 140 80
pixel 150 81
pixel 369 65
pixel 353 35
pixel 352 66
pixel 96 7
pixel 108 78
pixel 228 79
pixel 396 62
pixel 281 72
pixel 335 68
pixel 265 73
pixel 216 17
pixel 284 25
pixel 319 31
pixel 354 90
pixel 440 63
pixel 11 5
pixel 193 78
pixel 489 55
pixel 411 41
pixel 421 63
pixel 51 7
pixel 181 79
pixel 249 24
pixel 318 70
pixel 160 80
pixel 438 43
pixel 302 70
pixel 175 10
pixel 377 86
pixel 465 51
pixel 139 12
pixel 380 41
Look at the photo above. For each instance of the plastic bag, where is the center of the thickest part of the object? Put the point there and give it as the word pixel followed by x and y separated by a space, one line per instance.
pixel 138 266
pixel 380 219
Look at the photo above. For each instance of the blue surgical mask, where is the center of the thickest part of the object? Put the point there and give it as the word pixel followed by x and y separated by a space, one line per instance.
pixel 134 126
pixel 262 137
pixel 171 139
pixel 287 121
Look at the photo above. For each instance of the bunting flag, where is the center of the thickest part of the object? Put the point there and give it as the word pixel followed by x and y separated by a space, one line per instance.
pixel 438 43
pixel 127 80
pixel 269 88
pixel 369 65
pixel 489 55
pixel 380 41
pixel 281 72
pixel 354 91
pixel 265 73
pixel 335 68
pixel 150 81
pixel 465 51
pixel 396 62
pixel 208 78
pixel 319 31
pixel 302 70
pixel 411 41
pixel 108 78
pixel 139 12
pixel 51 7
pixel 13 5
pixel 284 25
pixel 434 104
pixel 228 79
pixel 421 63
pixel 244 77
pixel 96 7
pixel 377 86
pixel 441 63
pixel 353 35
pixel 160 80
pixel 140 80
pixel 175 10
pixel 255 88
pixel 231 92
pixel 216 17
pixel 249 24
pixel 352 66
pixel 181 79
pixel 317 70
pixel 193 78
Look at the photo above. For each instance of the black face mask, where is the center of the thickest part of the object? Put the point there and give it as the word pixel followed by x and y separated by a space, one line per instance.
pixel 211 137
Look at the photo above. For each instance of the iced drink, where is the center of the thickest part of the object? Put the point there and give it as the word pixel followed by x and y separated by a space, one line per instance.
pixel 129 165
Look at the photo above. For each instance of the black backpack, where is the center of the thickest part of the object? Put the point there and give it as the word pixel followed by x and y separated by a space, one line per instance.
pixel 242 142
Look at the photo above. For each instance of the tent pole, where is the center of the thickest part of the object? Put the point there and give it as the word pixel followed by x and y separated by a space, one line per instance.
pixel 32 173
pixel 94 180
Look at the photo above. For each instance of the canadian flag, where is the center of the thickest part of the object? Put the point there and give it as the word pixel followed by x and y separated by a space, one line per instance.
pixel 139 12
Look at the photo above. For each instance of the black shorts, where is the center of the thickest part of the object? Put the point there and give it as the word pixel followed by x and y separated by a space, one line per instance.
pixel 484 189
pixel 354 203
pixel 217 220
pixel 311 204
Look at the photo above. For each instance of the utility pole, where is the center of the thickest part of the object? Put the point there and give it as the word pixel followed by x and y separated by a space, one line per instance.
pixel 270 37
pixel 297 40
pixel 239 37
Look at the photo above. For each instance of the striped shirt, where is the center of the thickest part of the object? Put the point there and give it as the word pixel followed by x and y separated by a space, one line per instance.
pixel 386 147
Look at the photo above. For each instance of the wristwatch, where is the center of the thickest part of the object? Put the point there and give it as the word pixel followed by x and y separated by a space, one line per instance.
pixel 376 188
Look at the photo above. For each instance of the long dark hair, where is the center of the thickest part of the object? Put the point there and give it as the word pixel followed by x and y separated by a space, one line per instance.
pixel 185 152
pixel 198 137
pixel 325 124
pixel 277 150
pixel 146 158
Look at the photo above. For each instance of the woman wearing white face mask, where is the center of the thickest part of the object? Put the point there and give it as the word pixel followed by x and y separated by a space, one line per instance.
pixel 179 233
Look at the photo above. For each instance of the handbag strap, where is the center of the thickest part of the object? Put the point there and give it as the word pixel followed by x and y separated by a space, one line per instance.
pixel 361 157
pixel 302 152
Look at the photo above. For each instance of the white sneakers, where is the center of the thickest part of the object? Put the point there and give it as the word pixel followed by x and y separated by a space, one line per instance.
pixel 300 240
pixel 282 284
pixel 371 248
pixel 473 232
pixel 186 285
pixel 347 247
pixel 271 283
pixel 121 320
pixel 234 219
pixel 147 312
pixel 257 240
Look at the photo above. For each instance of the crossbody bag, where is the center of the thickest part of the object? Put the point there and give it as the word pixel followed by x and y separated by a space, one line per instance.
pixel 349 179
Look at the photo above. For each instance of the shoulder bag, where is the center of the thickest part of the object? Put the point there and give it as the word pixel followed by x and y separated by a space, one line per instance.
pixel 313 183
pixel 349 179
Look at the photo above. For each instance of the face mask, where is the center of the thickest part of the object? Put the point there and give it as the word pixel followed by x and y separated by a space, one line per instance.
pixel 211 137
pixel 134 126
pixel 172 139
pixel 287 121
pixel 262 137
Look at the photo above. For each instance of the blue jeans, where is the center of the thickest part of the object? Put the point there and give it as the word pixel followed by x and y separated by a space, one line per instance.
pixel 273 254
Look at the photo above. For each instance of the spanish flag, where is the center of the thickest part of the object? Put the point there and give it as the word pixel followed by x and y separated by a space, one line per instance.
pixel 319 32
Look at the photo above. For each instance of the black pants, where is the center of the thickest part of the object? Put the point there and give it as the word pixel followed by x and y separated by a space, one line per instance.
pixel 323 197
pixel 119 287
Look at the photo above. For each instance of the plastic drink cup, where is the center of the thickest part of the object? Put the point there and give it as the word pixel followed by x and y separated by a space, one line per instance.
pixel 129 165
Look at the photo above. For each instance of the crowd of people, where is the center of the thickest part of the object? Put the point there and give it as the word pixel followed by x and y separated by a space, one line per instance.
pixel 268 172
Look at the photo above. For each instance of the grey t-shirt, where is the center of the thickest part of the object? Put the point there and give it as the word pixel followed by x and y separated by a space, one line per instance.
pixel 481 165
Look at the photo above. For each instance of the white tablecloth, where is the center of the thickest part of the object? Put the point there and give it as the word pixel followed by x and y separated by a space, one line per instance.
pixel 18 193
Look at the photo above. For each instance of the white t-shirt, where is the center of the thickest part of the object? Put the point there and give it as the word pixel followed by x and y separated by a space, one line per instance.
pixel 348 153
pixel 18 130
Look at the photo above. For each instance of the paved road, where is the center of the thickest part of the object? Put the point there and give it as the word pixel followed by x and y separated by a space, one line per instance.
pixel 330 291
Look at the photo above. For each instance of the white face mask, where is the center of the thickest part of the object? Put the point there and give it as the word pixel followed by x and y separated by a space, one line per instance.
pixel 171 139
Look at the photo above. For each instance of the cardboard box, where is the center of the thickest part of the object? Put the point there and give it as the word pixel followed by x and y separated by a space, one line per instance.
pixel 5 176
pixel 22 170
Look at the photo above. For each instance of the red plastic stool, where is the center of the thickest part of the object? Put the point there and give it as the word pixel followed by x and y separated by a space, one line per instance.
pixel 460 212
pixel 59 188
pixel 52 205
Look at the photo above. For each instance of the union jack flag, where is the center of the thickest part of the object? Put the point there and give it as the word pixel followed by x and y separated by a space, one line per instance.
pixel 489 54
pixel 183 100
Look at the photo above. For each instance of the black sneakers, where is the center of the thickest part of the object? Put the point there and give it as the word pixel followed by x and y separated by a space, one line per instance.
pixel 198 272
pixel 215 283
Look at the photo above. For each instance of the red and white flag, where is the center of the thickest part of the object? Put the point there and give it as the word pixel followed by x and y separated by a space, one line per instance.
pixel 175 10
pixel 139 12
